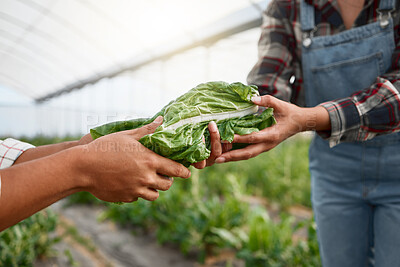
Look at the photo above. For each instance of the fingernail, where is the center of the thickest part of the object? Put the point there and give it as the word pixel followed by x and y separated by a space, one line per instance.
pixel 220 160
pixel 256 99
pixel 213 127
pixel 158 119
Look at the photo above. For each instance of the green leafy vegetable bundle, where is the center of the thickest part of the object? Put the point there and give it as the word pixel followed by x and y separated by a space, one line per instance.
pixel 184 129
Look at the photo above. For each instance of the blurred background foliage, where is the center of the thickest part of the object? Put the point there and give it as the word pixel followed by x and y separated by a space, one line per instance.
pixel 22 244
pixel 245 208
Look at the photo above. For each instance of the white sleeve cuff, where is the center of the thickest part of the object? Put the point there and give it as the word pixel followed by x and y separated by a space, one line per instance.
pixel 10 150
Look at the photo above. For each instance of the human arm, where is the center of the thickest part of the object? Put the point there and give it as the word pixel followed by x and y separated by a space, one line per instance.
pixel 114 168
pixel 291 119
pixel 367 113
pixel 46 150
pixel 360 117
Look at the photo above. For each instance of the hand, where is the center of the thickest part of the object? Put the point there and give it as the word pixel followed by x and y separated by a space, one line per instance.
pixel 216 147
pixel 290 118
pixel 120 169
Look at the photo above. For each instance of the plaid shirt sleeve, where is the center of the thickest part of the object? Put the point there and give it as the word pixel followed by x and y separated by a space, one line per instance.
pixel 10 150
pixel 276 53
pixel 373 111
pixel 359 117
pixel 367 113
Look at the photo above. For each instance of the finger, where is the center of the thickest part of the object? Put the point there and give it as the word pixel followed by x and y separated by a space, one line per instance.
pixel 86 139
pixel 266 101
pixel 170 168
pixel 253 138
pixel 245 153
pixel 216 148
pixel 163 182
pixel 200 164
pixel 150 194
pixel 147 129
pixel 133 199
pixel 226 147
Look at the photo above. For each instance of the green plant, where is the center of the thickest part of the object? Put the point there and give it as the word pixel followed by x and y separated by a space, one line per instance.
pixel 280 175
pixel 70 258
pixel 83 198
pixel 72 231
pixel 187 215
pixel 22 243
pixel 207 213
pixel 270 244
pixel 41 140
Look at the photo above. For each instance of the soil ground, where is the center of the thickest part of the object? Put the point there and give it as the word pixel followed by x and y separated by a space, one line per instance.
pixel 89 242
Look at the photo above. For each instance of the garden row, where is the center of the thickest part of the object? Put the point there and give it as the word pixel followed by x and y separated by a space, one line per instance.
pixel 242 208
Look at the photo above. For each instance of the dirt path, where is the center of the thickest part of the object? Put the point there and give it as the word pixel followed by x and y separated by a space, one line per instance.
pixel 88 242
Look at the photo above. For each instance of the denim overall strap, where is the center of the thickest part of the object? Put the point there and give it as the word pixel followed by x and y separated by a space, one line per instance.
pixel 307 17
pixel 366 49
pixel 387 5
pixel 385 11
pixel 307 20
pixel 349 176
pixel 331 63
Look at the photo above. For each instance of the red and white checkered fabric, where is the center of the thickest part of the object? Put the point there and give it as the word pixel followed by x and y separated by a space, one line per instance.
pixel 10 150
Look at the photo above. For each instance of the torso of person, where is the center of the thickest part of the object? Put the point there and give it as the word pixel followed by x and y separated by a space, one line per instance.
pixel 349 10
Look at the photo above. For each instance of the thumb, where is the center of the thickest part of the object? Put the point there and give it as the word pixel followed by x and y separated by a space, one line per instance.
pixel 264 101
pixel 148 128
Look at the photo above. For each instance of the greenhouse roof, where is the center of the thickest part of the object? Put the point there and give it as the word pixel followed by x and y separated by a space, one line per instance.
pixel 50 47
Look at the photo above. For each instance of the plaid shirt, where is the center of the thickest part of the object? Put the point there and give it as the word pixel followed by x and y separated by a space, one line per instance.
pixel 10 150
pixel 365 114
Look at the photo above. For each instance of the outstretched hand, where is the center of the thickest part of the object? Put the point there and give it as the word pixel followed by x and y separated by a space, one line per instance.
pixel 115 168
pixel 120 169
pixel 290 118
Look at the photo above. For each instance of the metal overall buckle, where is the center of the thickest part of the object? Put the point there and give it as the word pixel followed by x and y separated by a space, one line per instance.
pixel 307 41
pixel 384 17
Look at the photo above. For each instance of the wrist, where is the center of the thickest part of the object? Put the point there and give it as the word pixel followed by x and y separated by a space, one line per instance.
pixel 316 119
pixel 78 161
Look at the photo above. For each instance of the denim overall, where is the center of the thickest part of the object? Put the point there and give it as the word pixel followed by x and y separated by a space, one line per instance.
pixel 355 186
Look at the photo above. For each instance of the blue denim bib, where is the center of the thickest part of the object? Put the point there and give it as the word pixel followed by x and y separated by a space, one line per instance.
pixel 351 178
pixel 338 65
